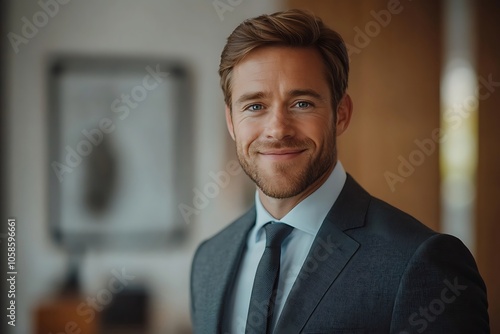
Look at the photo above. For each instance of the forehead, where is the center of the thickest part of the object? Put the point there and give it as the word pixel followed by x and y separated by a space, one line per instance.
pixel 279 68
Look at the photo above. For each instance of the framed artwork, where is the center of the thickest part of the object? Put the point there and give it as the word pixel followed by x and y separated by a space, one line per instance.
pixel 120 142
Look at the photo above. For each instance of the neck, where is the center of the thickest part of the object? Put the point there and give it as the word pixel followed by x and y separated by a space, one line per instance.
pixel 279 207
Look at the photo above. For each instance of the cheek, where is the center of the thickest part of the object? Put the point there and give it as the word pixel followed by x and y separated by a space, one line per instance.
pixel 319 132
pixel 246 134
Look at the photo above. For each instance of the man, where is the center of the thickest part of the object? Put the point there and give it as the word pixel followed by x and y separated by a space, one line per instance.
pixel 317 253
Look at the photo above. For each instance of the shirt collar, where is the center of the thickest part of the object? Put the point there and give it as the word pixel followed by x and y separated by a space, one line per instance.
pixel 310 213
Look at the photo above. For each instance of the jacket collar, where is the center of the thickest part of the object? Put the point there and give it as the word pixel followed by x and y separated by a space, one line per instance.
pixel 331 251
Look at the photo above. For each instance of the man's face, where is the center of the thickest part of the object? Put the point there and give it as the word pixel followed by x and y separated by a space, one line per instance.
pixel 282 119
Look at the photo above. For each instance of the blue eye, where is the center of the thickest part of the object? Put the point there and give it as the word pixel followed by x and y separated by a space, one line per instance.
pixel 303 104
pixel 255 107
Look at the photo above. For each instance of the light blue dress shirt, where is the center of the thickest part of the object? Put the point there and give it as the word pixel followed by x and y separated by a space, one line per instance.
pixel 306 219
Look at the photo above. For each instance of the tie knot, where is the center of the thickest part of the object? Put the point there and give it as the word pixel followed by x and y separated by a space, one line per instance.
pixel 276 233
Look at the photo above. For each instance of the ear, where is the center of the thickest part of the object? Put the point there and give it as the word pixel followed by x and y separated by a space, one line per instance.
pixel 229 121
pixel 344 112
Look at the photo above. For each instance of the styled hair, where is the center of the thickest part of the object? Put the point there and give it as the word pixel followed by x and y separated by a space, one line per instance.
pixel 294 28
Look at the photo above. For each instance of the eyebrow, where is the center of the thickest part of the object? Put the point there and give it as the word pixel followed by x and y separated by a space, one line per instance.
pixel 306 92
pixel 251 96
pixel 293 93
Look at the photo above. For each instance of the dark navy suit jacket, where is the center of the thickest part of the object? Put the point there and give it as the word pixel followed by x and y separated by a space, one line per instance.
pixel 371 269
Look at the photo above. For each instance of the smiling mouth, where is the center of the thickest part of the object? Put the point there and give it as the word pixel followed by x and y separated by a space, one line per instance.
pixel 282 154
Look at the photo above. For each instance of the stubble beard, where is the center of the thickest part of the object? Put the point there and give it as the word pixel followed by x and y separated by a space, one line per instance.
pixel 287 179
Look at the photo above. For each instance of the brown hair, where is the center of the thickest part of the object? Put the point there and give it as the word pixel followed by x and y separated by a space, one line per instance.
pixel 293 28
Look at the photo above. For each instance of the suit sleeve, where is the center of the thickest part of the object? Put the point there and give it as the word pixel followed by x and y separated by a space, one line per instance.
pixel 194 281
pixel 441 291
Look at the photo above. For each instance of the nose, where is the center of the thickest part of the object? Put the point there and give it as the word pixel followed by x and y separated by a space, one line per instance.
pixel 280 124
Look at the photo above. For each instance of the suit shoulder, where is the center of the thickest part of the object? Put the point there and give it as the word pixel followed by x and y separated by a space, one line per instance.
pixel 396 224
pixel 378 216
pixel 390 228
pixel 444 265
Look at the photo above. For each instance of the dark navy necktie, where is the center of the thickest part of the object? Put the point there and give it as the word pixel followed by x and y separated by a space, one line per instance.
pixel 260 312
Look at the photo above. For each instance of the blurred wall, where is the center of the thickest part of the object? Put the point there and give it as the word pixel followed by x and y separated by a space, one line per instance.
pixel 190 30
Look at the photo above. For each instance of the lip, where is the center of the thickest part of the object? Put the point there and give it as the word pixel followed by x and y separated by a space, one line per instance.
pixel 282 154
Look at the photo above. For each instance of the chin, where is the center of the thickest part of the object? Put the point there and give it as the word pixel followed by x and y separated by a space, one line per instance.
pixel 281 187
pixel 279 193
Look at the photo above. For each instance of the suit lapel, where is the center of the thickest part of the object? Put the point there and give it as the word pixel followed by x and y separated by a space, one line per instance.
pixel 330 253
pixel 224 262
